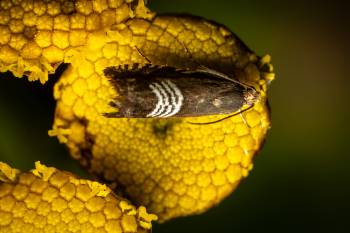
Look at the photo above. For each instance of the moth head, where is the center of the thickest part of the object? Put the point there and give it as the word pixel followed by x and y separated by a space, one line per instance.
pixel 251 96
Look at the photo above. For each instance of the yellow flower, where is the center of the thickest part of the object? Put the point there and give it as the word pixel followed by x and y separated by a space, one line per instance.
pixel 168 165
pixel 49 200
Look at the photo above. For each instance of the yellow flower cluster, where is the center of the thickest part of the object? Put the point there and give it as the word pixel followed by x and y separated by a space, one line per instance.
pixel 36 36
pixel 168 165
pixel 48 200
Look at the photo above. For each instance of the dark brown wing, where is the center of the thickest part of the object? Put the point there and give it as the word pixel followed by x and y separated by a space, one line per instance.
pixel 155 92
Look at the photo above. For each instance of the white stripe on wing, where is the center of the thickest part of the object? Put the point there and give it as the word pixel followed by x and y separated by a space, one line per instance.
pixel 180 98
pixel 165 101
pixel 159 102
pixel 164 108
pixel 171 106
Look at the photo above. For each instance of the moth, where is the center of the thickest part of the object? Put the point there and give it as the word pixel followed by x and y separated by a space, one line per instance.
pixel 151 91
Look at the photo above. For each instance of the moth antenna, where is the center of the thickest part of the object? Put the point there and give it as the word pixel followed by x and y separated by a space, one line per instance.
pixel 221 75
pixel 190 56
pixel 222 119
pixel 244 120
pixel 203 68
pixel 144 56
pixel 186 49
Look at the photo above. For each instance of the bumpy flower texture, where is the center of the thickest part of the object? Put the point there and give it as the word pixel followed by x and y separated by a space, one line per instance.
pixel 171 167
pixel 48 200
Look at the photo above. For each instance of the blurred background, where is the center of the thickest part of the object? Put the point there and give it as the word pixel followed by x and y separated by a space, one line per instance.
pixel 300 181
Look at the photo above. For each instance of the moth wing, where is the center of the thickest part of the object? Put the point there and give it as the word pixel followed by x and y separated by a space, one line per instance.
pixel 135 98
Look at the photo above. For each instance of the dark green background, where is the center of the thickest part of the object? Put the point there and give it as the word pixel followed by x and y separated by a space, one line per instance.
pixel 300 181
